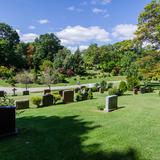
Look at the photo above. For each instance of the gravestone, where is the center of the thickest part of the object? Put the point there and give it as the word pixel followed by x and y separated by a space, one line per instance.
pixel 135 91
pixel 47 100
pixel 61 92
pixel 47 91
pixel 143 90
pixel 68 96
pixel 22 104
pixel 7 121
pixel 25 93
pixel 101 90
pixel 14 92
pixel 111 103
pixel 2 93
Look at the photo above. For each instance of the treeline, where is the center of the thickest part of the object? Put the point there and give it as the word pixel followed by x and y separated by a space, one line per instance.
pixel 47 54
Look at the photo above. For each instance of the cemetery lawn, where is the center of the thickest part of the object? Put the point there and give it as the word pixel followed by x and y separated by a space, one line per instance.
pixel 77 131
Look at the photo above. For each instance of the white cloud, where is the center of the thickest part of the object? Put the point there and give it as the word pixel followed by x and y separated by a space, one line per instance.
pixel 74 48
pixel 27 37
pixel 106 15
pixel 105 1
pixel 71 8
pixel 98 10
pixel 43 21
pixel 32 27
pixel 102 2
pixel 124 31
pixel 77 35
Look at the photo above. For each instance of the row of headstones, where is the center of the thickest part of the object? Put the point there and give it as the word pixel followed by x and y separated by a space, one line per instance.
pixel 48 99
pixel 143 90
pixel 3 93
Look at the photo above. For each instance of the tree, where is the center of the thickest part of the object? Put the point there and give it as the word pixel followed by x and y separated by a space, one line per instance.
pixel 46 47
pixel 8 40
pixel 60 58
pixel 149 24
pixel 91 55
pixel 9 34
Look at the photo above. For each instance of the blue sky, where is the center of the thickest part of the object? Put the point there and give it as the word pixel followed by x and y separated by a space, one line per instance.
pixel 75 22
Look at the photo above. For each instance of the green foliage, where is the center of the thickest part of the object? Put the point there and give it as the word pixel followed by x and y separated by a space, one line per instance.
pixel 159 93
pixel 56 96
pixel 6 72
pixel 132 82
pixel 123 86
pixel 84 94
pixel 103 85
pixel 115 91
pixel 101 107
pixel 90 94
pixel 36 100
pixel 46 47
pixel 5 101
pixel 79 96
pixel 148 24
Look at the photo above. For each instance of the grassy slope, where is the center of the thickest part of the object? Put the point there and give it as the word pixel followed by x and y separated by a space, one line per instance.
pixel 70 80
pixel 77 131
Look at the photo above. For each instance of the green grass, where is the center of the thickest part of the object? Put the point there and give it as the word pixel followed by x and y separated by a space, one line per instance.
pixel 71 81
pixel 77 131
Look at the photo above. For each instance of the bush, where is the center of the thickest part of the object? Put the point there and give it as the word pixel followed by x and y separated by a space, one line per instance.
pixel 6 72
pixel 94 89
pixel 159 93
pixel 90 94
pixel 132 82
pixel 103 85
pixel 89 77
pixel 79 96
pixel 101 107
pixel 56 97
pixel 114 91
pixel 4 101
pixel 110 85
pixel 36 101
pixel 84 94
pixel 69 72
pixel 123 87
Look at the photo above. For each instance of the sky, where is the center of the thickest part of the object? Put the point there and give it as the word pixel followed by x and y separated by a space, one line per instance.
pixel 77 23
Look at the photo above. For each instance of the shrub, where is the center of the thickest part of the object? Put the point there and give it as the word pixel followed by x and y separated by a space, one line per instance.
pixel 89 77
pixel 114 91
pixel 36 100
pixel 84 94
pixel 90 94
pixel 79 96
pixel 70 72
pixel 94 89
pixel 56 97
pixel 4 101
pixel 123 87
pixel 159 93
pixel 110 85
pixel 6 72
pixel 101 107
pixel 103 85
pixel 132 82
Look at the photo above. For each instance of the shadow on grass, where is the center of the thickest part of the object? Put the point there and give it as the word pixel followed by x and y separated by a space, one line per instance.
pixel 56 138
